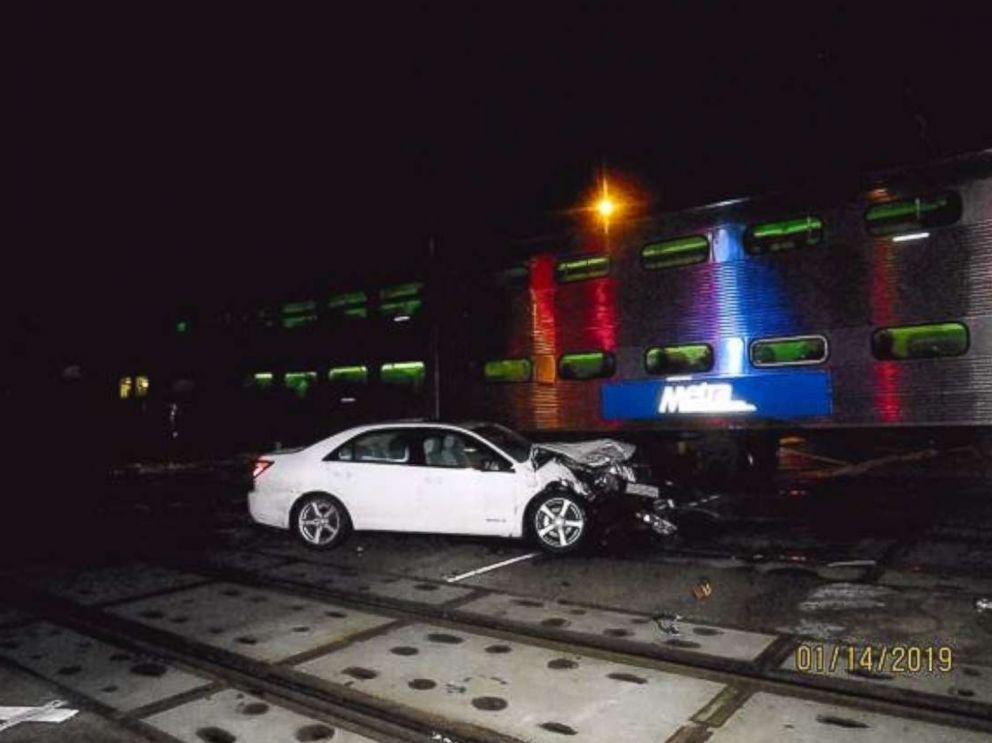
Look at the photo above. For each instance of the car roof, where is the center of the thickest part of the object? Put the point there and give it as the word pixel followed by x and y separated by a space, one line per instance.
pixel 340 437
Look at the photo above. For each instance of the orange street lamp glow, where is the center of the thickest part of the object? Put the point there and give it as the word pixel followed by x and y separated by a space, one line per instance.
pixel 605 207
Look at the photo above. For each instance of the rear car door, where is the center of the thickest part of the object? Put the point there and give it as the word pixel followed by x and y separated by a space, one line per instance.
pixel 467 487
pixel 373 477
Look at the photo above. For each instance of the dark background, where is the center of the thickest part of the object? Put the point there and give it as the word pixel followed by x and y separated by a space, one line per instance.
pixel 182 154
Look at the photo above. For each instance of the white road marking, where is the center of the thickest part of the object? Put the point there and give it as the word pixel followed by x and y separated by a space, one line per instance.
pixel 495 566
pixel 51 712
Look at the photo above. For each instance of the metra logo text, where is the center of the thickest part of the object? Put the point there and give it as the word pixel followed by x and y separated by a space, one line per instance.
pixel 702 398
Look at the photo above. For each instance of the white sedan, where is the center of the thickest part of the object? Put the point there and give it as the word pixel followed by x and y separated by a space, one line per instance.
pixel 475 478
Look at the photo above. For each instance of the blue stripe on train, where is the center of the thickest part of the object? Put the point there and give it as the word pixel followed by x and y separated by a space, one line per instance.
pixel 785 394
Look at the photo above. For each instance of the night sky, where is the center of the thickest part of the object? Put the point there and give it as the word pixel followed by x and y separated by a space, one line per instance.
pixel 176 156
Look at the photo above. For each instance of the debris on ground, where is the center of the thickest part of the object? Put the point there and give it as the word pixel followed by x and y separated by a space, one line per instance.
pixel 668 623
pixel 703 589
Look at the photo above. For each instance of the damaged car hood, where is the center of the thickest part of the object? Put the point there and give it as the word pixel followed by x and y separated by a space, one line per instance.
pixel 596 453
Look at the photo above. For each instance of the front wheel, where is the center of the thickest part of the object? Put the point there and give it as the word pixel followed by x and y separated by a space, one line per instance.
pixel 320 521
pixel 558 522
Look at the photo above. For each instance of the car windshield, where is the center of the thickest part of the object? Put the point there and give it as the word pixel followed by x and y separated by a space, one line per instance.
pixel 509 441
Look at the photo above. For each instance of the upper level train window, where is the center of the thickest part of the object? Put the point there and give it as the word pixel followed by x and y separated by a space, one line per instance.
pixel 682 251
pixel 772 237
pixel 582 268
pixel 182 326
pixel 591 365
pixel 686 359
pixel 357 374
pixel 349 304
pixel 263 380
pixel 409 373
pixel 508 370
pixel 912 214
pixel 300 382
pixel 920 341
pixel 299 314
pixel 807 349
pixel 401 302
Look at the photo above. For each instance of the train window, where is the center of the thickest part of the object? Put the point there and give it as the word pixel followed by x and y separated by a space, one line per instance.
pixel 772 237
pixel 124 387
pixel 411 373
pixel 401 302
pixel 920 341
pixel 182 326
pixel 911 214
pixel 141 385
pixel 299 314
pixel 591 365
pixel 682 251
pixel 349 304
pixel 512 276
pixel 508 370
pixel 582 268
pixel 807 349
pixel 694 357
pixel 300 382
pixel 358 374
pixel 263 380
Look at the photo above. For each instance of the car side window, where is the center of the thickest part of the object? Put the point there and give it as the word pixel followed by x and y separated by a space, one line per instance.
pixel 382 447
pixel 444 448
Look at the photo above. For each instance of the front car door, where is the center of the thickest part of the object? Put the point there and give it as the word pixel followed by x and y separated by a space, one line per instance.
pixel 467 487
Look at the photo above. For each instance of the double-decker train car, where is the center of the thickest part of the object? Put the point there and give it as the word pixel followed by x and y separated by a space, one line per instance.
pixel 823 313
pixel 788 312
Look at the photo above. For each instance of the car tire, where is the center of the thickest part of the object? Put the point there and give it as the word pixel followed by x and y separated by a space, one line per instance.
pixel 320 521
pixel 558 522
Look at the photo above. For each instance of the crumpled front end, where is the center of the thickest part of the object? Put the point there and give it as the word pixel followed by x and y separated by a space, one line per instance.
pixel 620 490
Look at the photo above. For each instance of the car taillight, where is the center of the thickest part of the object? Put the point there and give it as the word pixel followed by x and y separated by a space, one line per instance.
pixel 260 466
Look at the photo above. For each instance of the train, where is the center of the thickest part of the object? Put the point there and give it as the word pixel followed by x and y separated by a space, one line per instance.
pixel 837 314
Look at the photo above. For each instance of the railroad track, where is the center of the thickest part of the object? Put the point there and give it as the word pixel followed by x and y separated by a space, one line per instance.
pixel 383 720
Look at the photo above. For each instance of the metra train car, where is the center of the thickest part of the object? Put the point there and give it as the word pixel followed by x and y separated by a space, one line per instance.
pixel 873 310
pixel 819 314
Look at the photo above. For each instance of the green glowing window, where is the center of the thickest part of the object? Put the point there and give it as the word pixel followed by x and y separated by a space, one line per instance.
pixel 182 326
pixel 580 269
pixel 401 291
pixel 912 214
pixel 401 302
pixel 349 304
pixel 358 374
pixel 683 251
pixel 299 314
pixel 263 380
pixel 409 373
pixel 593 365
pixel 807 349
pixel 686 359
pixel 920 341
pixel 508 370
pixel 401 309
pixel 773 237
pixel 300 382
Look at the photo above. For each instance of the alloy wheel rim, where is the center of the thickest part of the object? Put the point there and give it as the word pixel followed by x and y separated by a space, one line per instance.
pixel 559 522
pixel 319 522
